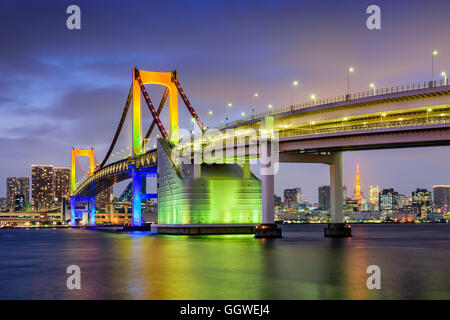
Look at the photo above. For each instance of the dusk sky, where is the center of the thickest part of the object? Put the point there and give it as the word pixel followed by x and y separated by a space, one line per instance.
pixel 61 88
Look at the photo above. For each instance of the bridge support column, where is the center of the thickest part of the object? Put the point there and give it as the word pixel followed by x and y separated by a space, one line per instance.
pixel 72 211
pixel 268 229
pixel 337 227
pixel 92 212
pixel 110 209
pixel 137 210
pixel 197 170
pixel 246 170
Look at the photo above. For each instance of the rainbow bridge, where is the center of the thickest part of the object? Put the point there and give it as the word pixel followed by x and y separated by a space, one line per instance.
pixel 224 191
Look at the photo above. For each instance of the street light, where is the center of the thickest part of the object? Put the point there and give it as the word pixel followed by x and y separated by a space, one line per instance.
pixel 243 114
pixel 311 123
pixel 349 70
pixel 372 85
pixel 314 98
pixel 294 84
pixel 428 110
pixel 433 53
pixel 444 74
pixel 255 95
pixel 229 105
pixel 270 106
pixel 209 114
pixel 382 116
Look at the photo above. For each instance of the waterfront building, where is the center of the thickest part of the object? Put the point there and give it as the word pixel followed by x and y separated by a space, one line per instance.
pixel 299 194
pixel 16 186
pixel 61 184
pixel 401 201
pixel 42 186
pixel 421 198
pixel 441 198
pixel 324 197
pixel 290 195
pixel 374 193
pixel 19 203
pixel 388 200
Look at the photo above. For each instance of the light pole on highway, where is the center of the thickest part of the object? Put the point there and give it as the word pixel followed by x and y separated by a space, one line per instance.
pixel 349 70
pixel 294 85
pixel 444 74
pixel 255 95
pixel 433 53
pixel 372 85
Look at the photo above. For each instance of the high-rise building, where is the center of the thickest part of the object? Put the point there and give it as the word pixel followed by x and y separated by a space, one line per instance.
pixel 374 199
pixel 17 186
pixel 3 204
pixel 42 186
pixel 299 194
pixel 61 184
pixel 441 197
pixel 324 197
pixel 388 200
pixel 401 201
pixel 421 198
pixel 19 203
pixel 358 189
pixel 290 195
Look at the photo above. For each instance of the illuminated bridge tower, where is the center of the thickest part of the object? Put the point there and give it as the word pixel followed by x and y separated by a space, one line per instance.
pixel 74 213
pixel 140 78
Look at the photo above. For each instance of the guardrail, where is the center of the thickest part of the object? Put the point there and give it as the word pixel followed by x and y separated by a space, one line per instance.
pixel 343 98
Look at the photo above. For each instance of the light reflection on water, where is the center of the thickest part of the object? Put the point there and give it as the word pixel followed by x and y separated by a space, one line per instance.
pixel 414 261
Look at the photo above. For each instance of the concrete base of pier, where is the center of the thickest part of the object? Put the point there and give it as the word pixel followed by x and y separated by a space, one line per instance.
pixel 203 229
pixel 338 230
pixel 268 230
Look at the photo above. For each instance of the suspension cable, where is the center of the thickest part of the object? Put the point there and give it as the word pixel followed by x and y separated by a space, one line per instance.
pixel 119 128
pixel 187 102
pixel 79 166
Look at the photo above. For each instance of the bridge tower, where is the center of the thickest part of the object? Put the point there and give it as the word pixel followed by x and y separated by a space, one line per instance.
pixel 73 200
pixel 141 78
pixel 160 78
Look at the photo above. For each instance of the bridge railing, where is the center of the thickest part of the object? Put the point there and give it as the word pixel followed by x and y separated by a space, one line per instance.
pixel 361 127
pixel 344 127
pixel 344 98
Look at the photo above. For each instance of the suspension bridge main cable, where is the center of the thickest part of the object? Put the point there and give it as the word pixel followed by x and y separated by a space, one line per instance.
pixel 119 128
pixel 79 166
pixel 187 102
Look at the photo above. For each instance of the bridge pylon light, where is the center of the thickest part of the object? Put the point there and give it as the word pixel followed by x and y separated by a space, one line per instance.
pixel 160 78
pixel 78 153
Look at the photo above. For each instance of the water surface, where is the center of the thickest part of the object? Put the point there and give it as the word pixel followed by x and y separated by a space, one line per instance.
pixel 414 261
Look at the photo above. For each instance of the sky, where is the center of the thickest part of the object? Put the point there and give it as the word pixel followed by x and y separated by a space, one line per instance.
pixel 61 88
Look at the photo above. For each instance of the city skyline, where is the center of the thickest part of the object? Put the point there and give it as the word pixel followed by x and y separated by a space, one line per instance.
pixel 81 88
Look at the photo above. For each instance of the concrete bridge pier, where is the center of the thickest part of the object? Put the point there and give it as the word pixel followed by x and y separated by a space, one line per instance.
pixel 137 199
pixel 268 229
pixel 337 227
pixel 74 211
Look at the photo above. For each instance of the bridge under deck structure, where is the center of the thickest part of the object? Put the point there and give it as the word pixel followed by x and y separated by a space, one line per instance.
pixel 197 192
